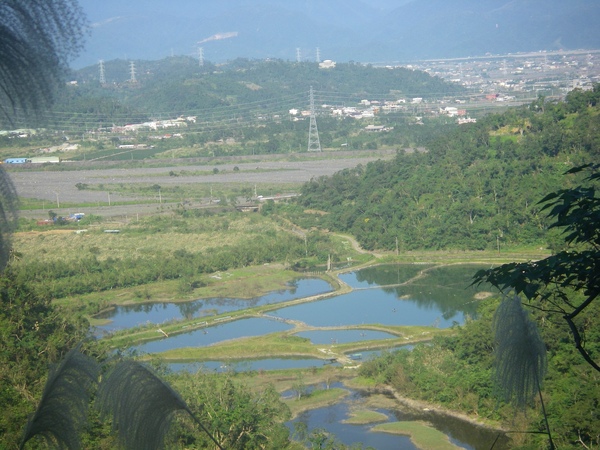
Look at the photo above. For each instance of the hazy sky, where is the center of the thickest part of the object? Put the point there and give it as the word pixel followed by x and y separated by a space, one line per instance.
pixel 343 30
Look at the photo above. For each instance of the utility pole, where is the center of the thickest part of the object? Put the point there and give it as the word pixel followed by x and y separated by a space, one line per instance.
pixel 314 144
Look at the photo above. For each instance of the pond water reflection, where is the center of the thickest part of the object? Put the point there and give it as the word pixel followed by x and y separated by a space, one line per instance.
pixel 440 297
pixel 382 275
pixel 381 306
pixel 133 315
pixel 462 434
pixel 207 336
pixel 248 365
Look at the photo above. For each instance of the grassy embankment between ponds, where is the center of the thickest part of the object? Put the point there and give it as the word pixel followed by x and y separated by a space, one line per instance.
pixel 286 345
pixel 421 434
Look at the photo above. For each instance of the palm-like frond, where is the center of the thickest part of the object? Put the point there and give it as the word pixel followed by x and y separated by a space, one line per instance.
pixel 8 216
pixel 142 405
pixel 64 403
pixel 37 38
pixel 520 354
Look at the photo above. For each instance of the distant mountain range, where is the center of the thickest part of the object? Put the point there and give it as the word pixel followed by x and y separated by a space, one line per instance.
pixel 342 30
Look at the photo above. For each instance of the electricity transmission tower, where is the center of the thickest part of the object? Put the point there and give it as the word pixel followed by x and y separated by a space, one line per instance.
pixel 314 145
pixel 318 55
pixel 102 77
pixel 132 72
pixel 298 58
pixel 200 56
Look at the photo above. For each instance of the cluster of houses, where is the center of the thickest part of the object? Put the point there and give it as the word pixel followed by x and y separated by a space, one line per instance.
pixel 368 109
pixel 154 125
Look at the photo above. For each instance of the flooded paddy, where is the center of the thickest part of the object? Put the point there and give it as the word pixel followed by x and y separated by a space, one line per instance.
pixel 396 295
pixel 388 295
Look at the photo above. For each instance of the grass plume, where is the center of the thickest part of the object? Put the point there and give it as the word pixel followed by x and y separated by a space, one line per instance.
pixel 520 354
pixel 62 410
pixel 142 405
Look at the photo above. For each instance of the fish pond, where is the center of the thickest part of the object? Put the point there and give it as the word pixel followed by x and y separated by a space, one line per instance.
pixel 122 317
pixel 395 295
pixel 386 294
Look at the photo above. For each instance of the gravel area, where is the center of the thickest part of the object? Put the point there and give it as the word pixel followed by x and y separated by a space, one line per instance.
pixel 61 185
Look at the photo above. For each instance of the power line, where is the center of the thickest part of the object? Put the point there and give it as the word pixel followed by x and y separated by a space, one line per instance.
pixel 235 115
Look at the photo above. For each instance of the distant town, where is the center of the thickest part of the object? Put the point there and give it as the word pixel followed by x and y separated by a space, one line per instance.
pixel 492 83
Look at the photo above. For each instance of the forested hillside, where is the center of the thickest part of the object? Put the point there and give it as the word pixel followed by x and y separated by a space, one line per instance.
pixel 475 188
pixel 178 85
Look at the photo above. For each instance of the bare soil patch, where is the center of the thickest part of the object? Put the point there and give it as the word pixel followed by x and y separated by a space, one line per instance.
pixel 60 186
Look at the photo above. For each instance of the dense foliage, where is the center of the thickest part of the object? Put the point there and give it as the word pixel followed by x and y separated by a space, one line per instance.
pixel 456 372
pixel 178 84
pixel 87 271
pixel 475 188
pixel 33 335
pixel 234 415
pixel 567 282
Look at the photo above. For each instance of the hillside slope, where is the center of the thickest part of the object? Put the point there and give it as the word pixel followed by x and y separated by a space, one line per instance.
pixel 475 188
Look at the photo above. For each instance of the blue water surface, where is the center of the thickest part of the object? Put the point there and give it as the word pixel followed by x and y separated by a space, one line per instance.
pixel 211 335
pixel 122 317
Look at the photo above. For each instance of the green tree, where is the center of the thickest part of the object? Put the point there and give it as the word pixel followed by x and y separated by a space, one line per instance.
pixel 235 416
pixel 33 335
pixel 565 283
